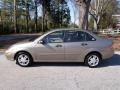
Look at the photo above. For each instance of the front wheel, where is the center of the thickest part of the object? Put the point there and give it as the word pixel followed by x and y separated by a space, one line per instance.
pixel 92 60
pixel 23 59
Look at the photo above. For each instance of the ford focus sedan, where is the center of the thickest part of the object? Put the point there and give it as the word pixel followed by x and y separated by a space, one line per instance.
pixel 62 45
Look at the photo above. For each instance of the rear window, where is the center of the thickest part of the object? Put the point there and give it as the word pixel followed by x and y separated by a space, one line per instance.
pixel 89 37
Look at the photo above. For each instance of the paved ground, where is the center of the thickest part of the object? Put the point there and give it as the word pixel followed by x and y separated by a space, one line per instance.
pixel 63 76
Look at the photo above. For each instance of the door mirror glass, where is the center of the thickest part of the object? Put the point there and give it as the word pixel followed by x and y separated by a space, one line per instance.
pixel 93 39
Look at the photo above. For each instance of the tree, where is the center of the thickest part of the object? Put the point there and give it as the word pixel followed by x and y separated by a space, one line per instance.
pixel 61 14
pixel 36 14
pixel 56 14
pixel 7 16
pixel 27 15
pixel 36 4
pixel 23 16
pixel 99 8
pixel 15 17
pixel 84 6
pixel 26 6
pixel 106 21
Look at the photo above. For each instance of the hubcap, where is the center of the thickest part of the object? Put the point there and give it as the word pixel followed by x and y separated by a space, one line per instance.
pixel 23 60
pixel 93 60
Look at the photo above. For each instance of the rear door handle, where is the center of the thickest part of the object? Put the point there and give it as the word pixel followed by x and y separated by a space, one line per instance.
pixel 84 44
pixel 58 45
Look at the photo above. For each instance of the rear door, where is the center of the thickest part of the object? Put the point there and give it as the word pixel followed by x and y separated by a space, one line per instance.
pixel 76 45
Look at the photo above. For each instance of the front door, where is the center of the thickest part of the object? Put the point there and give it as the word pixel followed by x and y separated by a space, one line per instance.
pixel 53 48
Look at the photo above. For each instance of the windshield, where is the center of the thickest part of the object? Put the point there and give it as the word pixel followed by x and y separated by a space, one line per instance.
pixel 33 38
pixel 38 36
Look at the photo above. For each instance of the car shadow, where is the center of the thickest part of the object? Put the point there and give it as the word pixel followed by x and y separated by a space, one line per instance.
pixel 60 64
pixel 114 61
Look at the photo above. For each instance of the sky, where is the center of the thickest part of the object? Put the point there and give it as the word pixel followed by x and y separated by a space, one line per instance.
pixel 71 11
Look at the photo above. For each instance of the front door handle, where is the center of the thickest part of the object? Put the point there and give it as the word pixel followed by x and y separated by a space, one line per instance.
pixel 84 44
pixel 58 45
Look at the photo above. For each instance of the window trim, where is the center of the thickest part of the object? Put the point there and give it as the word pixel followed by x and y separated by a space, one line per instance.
pixel 65 34
pixel 54 32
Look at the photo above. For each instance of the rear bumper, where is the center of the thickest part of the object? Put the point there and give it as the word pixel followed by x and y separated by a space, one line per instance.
pixel 107 53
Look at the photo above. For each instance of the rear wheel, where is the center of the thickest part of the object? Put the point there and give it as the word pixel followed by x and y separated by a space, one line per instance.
pixel 92 60
pixel 23 59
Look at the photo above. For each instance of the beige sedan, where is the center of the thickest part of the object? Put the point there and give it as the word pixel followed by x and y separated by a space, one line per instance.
pixel 62 45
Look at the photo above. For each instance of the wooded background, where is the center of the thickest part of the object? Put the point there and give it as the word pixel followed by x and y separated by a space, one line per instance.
pixel 32 16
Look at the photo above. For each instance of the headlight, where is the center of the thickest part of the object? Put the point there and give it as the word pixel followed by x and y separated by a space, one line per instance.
pixel 11 48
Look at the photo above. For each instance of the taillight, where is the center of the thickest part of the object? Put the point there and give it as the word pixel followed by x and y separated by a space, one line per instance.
pixel 111 46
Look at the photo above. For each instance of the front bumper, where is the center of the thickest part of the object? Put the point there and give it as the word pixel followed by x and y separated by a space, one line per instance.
pixel 9 55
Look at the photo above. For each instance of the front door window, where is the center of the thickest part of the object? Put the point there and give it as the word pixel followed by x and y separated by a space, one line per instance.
pixel 55 37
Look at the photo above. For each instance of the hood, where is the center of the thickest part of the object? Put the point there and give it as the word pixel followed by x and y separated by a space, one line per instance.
pixel 22 44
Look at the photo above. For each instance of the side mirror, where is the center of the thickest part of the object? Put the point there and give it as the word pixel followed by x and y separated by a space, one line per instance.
pixel 93 39
pixel 41 42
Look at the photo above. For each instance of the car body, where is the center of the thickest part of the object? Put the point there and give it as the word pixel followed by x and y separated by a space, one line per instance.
pixel 62 45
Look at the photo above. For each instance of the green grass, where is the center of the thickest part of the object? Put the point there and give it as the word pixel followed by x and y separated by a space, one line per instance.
pixel 1 46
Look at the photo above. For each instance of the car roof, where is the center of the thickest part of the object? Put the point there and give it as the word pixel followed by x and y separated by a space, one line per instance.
pixel 76 29
pixel 67 29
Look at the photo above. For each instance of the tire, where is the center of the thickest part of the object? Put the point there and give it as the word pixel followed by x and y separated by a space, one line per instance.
pixel 24 59
pixel 93 60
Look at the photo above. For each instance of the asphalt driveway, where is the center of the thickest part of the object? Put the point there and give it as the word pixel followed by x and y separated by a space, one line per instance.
pixel 60 76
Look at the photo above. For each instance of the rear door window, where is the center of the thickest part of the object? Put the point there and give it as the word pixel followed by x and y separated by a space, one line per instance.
pixel 89 37
pixel 78 36
pixel 74 36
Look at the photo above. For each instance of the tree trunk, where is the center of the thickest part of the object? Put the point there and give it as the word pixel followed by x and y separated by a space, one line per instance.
pixel 27 16
pixel 15 17
pixel 96 18
pixel 2 28
pixel 96 22
pixel 81 16
pixel 84 13
pixel 36 15
pixel 85 19
pixel 95 25
pixel 43 18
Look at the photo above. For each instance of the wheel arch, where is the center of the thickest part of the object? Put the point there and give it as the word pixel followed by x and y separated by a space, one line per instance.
pixel 92 53
pixel 23 52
